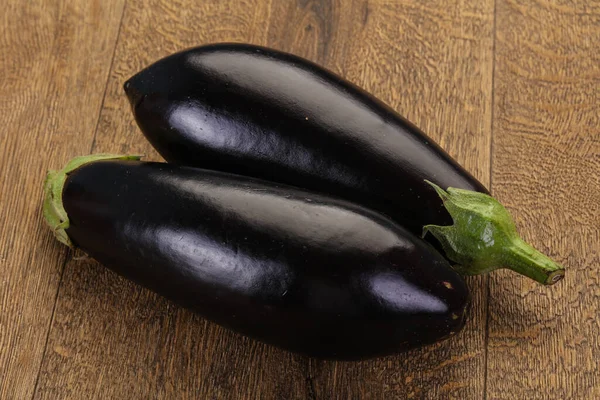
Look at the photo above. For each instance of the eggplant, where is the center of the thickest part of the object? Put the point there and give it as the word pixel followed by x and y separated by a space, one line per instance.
pixel 259 112
pixel 298 270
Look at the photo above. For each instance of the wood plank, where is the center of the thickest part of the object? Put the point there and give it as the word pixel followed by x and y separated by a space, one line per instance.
pixel 55 62
pixel 432 62
pixel 544 342
pixel 111 339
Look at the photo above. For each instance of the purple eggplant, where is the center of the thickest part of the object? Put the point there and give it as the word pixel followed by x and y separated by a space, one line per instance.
pixel 302 271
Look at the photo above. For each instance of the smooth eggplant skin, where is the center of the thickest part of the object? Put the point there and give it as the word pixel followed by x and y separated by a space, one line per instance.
pixel 258 112
pixel 301 271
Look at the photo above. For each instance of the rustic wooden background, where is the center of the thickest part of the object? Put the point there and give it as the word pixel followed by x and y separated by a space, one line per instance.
pixel 511 88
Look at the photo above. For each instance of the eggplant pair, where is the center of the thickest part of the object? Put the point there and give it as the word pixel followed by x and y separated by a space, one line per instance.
pixel 291 209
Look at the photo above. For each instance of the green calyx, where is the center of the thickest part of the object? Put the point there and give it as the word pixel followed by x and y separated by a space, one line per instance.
pixel 54 212
pixel 484 238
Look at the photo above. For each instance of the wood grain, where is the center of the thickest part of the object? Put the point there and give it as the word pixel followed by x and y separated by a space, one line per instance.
pixel 546 168
pixel 524 73
pixel 55 59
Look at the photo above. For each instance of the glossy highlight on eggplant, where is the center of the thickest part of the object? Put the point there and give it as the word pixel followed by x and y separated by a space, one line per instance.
pixel 259 112
pixel 299 270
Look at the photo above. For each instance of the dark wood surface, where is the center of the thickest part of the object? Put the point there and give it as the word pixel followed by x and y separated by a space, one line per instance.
pixel 511 88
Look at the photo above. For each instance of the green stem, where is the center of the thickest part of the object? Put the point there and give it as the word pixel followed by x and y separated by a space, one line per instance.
pixel 54 212
pixel 484 238
pixel 521 257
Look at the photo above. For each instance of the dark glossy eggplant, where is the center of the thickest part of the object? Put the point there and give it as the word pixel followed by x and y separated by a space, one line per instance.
pixel 295 269
pixel 259 112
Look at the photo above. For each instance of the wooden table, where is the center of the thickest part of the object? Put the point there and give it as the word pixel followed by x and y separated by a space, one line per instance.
pixel 511 88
